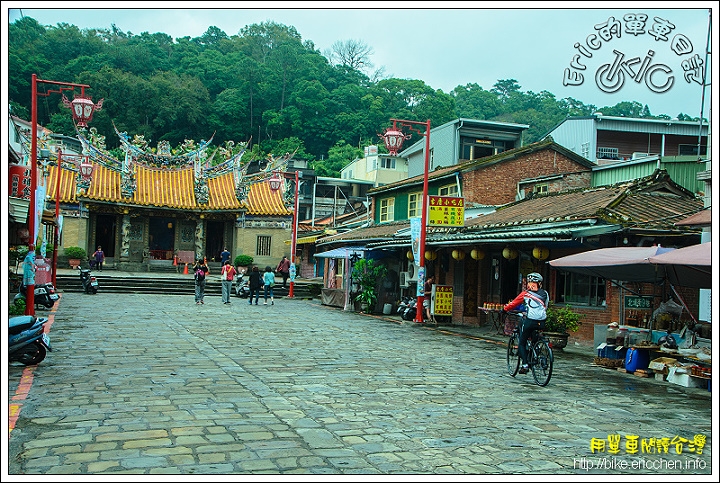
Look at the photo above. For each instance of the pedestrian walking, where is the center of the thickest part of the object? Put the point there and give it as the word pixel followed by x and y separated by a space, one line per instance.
pixel 227 276
pixel 99 258
pixel 224 256
pixel 283 269
pixel 200 270
pixel 269 279
pixel 255 282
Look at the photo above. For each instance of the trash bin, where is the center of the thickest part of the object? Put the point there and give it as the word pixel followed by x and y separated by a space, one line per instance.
pixel 387 309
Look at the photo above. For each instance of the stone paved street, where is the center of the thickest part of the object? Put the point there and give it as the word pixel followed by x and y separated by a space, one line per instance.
pixel 151 384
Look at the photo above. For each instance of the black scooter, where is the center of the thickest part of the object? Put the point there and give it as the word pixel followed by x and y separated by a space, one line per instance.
pixel 28 343
pixel 89 282
pixel 406 308
pixel 44 295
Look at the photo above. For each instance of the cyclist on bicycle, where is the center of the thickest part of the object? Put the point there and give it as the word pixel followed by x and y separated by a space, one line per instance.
pixel 536 300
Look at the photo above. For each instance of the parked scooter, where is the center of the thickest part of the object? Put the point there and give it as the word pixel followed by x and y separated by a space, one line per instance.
pixel 44 295
pixel 89 282
pixel 242 287
pixel 28 343
pixel 406 308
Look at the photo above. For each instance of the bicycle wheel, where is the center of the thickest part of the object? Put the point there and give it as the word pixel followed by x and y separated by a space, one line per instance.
pixel 513 356
pixel 542 362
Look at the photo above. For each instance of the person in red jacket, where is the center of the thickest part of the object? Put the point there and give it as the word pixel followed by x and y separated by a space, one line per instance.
pixel 283 269
pixel 536 300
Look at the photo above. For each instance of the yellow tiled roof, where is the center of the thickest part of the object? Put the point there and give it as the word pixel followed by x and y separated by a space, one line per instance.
pixel 167 188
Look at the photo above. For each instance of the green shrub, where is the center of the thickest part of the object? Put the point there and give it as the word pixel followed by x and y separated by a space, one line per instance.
pixel 18 307
pixel 75 252
pixel 366 273
pixel 243 260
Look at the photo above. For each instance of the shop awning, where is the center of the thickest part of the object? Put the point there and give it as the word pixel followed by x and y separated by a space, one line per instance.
pixel 305 239
pixel 18 212
pixel 341 252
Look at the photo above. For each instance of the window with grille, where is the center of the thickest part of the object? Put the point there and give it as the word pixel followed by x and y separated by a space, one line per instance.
pixel 585 150
pixel 387 209
pixel 263 246
pixel 448 190
pixel 607 153
pixel 414 204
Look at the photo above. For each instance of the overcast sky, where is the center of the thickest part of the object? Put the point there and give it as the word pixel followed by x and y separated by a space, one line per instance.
pixel 457 44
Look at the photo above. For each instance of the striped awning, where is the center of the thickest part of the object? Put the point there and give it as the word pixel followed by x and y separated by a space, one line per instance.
pixel 166 188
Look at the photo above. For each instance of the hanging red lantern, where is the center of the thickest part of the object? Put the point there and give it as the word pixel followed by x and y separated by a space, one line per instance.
pixel 394 140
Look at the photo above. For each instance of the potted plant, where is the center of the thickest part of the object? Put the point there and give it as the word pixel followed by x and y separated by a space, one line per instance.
pixel 75 256
pixel 243 261
pixel 366 273
pixel 559 323
pixel 18 253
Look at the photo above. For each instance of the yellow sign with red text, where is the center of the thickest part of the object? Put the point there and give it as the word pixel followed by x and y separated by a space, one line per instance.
pixel 446 211
pixel 442 300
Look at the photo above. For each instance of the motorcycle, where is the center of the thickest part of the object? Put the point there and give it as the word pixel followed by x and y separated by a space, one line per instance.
pixel 242 287
pixel 406 308
pixel 27 340
pixel 89 282
pixel 44 295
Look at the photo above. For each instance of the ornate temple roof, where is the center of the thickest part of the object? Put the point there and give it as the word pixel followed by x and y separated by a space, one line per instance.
pixel 181 179
pixel 165 188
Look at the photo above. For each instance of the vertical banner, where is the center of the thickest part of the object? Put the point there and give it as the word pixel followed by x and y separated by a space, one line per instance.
pixel 38 211
pixel 415 223
pixel 420 283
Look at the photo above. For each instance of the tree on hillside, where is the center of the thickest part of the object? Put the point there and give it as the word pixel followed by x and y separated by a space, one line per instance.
pixel 339 156
pixel 351 53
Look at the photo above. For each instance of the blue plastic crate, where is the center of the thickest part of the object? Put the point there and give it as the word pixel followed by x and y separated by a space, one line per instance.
pixel 609 352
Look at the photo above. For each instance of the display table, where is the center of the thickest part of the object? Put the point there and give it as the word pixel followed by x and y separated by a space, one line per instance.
pixel 503 325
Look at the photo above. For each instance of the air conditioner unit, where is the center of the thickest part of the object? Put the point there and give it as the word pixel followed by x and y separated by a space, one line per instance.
pixel 640 155
pixel 406 278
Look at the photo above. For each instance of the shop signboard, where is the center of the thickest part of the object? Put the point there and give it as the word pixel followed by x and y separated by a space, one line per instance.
pixel 636 302
pixel 446 211
pixel 442 300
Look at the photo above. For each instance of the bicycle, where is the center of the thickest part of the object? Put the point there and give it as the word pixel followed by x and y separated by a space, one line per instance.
pixel 541 356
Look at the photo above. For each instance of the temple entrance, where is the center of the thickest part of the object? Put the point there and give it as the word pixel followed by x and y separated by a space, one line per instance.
pixel 105 234
pixel 162 238
pixel 215 237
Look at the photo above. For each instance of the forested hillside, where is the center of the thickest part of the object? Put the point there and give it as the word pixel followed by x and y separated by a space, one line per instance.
pixel 265 85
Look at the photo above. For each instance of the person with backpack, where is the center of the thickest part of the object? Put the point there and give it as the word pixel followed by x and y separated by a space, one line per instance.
pixel 536 300
pixel 200 270
pixel 227 277
pixel 283 268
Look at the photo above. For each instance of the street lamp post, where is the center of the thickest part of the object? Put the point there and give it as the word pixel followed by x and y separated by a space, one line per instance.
pixel 82 110
pixel 274 183
pixel 58 179
pixel 394 138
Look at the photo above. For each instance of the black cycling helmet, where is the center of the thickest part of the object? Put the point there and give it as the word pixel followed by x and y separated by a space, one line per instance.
pixel 534 277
